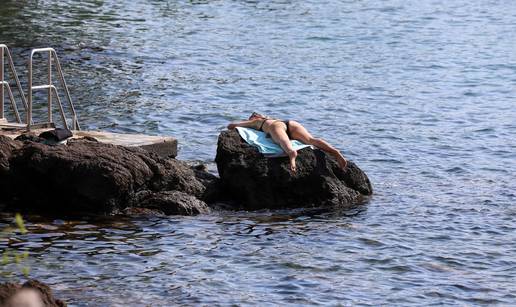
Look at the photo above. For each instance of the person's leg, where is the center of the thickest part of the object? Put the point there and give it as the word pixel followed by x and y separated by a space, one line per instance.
pixel 279 135
pixel 322 144
pixel 298 132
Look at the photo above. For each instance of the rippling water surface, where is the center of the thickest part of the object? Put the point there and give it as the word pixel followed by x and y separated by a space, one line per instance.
pixel 420 94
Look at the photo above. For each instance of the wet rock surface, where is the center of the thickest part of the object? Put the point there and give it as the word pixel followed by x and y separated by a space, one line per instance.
pixel 170 203
pixel 257 182
pixel 92 177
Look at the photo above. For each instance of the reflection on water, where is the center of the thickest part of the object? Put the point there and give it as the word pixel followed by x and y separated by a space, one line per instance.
pixel 420 96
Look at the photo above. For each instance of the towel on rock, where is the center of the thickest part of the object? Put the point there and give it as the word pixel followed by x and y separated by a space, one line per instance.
pixel 266 145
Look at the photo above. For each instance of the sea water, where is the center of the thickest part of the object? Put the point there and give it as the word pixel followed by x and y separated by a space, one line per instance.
pixel 420 94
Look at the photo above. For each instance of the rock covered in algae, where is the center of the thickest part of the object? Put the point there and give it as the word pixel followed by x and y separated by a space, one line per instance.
pixel 257 182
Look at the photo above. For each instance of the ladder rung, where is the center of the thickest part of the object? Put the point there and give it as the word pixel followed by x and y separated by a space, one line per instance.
pixel 43 87
pixel 42 50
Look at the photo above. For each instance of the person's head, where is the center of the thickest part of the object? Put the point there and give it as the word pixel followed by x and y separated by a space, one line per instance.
pixel 255 115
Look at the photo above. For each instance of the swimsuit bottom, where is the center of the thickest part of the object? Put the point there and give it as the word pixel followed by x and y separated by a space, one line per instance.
pixel 287 123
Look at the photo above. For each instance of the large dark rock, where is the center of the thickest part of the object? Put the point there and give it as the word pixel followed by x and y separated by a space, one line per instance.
pixel 92 177
pixel 257 182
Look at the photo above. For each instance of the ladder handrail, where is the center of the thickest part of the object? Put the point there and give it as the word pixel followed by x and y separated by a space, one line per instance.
pixel 4 51
pixel 52 54
pixel 13 102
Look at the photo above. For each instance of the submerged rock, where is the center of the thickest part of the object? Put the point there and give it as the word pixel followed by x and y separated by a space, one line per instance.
pixel 92 177
pixel 257 182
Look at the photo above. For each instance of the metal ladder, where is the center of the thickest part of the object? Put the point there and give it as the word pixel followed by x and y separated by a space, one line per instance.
pixel 27 103
pixel 52 55
pixel 4 51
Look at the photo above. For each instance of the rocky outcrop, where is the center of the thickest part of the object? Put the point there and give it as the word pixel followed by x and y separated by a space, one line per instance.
pixel 92 177
pixel 86 176
pixel 257 182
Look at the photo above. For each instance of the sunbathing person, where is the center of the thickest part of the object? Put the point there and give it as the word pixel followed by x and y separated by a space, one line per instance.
pixel 282 131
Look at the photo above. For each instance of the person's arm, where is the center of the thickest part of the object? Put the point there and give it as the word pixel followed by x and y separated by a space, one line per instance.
pixel 245 123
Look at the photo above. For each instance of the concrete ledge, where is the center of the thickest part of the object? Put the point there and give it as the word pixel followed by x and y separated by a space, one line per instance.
pixel 164 146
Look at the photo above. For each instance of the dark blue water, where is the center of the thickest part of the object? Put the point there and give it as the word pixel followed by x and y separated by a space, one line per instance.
pixel 422 95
